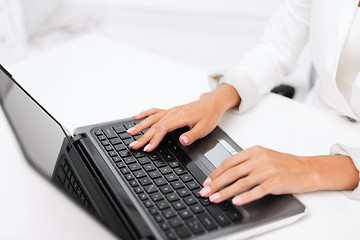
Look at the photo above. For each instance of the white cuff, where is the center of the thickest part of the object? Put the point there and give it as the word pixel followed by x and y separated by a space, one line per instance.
pixel 354 154
pixel 243 83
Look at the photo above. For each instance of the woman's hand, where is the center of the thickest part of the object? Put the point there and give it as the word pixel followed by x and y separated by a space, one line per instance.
pixel 262 171
pixel 200 116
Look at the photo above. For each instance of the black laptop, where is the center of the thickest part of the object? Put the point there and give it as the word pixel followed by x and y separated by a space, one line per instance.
pixel 135 194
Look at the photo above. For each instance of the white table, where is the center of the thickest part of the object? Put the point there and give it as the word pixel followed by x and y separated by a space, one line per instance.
pixel 82 82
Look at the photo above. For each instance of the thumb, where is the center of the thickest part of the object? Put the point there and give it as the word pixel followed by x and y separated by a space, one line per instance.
pixel 198 131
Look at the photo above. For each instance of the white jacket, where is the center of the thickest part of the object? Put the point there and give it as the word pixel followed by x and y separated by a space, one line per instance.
pixel 324 25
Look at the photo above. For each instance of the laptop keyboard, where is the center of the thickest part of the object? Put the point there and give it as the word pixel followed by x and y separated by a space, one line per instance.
pixel 167 190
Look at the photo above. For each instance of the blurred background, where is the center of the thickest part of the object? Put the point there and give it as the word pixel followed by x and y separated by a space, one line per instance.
pixel 208 34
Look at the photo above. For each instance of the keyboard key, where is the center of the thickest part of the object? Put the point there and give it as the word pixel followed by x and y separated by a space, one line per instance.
pixel 144 160
pixel 98 132
pixel 120 164
pixel 119 129
pixel 156 196
pixel 129 125
pixel 160 181
pixel 183 192
pixel 124 153
pixel 129 177
pixel 192 185
pixel 143 196
pixel 139 154
pixel 177 184
pixel 116 159
pixel 129 160
pixel 109 132
pixel 178 205
pixel 165 170
pixel 119 147
pixel 180 170
pixel 197 208
pixel 159 163
pixel 168 157
pixel 166 189
pixel 128 141
pixel 149 167
pixel 235 215
pixel 218 215
pixel 155 174
pixel 138 189
pixel 153 211
pixel 185 213
pixel 108 148
pixel 174 164
pixel 162 204
pixel 169 213
pixel 151 188
pixel 171 197
pixel 183 232
pixel 194 225
pixel 105 142
pixel 207 221
pixel 139 174
pixel 148 203
pixel 101 137
pixel 175 222
pixel 164 226
pixel 171 177
pixel 158 218
pixel 145 181
pixel 124 135
pixel 112 153
pixel 115 141
pixel 186 177
pixel 190 200
pixel 171 235
pixel 133 183
pixel 125 170
pixel 134 166
pixel 204 201
pixel 154 156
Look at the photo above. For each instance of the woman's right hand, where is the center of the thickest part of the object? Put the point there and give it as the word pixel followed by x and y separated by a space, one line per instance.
pixel 200 116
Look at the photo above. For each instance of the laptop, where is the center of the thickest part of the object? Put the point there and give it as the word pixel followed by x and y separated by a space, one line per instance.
pixel 135 194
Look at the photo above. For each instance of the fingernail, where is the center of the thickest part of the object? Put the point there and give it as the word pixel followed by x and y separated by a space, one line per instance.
pixel 185 139
pixel 147 147
pixel 133 144
pixel 214 197
pixel 131 130
pixel 207 182
pixel 237 200
pixel 205 191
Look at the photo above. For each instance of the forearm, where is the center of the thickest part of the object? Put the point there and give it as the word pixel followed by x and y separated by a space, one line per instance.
pixel 331 172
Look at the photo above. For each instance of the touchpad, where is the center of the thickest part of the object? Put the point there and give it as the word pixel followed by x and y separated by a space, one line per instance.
pixel 216 151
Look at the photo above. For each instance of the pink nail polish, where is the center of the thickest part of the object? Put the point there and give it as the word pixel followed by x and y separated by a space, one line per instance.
pixel 214 197
pixel 147 147
pixel 131 130
pixel 185 139
pixel 133 144
pixel 205 191
pixel 237 200
pixel 207 182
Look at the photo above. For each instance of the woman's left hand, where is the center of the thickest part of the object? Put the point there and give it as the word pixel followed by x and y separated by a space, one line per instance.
pixel 264 170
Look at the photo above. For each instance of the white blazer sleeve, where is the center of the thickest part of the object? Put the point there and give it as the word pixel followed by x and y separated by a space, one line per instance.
pixel 274 57
pixel 354 153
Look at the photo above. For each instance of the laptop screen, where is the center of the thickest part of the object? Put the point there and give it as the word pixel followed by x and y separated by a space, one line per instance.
pixel 40 136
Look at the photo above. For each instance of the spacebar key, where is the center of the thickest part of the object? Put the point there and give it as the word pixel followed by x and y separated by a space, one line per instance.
pixel 109 132
pixel 207 221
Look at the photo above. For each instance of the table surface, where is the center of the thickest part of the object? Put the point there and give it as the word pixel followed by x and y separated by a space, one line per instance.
pixel 82 82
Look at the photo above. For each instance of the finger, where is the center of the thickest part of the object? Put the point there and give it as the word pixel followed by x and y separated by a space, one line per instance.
pixel 147 113
pixel 253 194
pixel 229 176
pixel 200 130
pixel 144 139
pixel 229 163
pixel 151 120
pixel 237 187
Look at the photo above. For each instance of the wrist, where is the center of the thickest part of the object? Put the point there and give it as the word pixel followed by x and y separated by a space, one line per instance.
pixel 223 97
